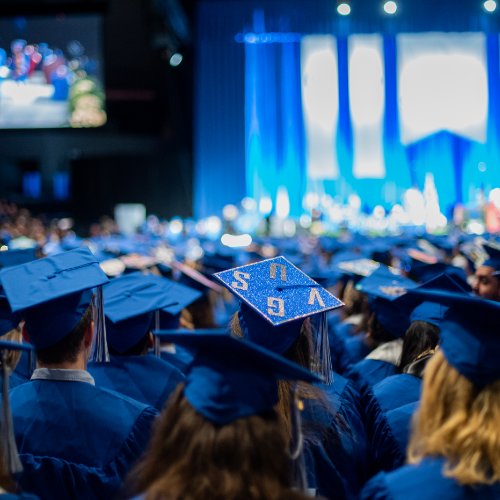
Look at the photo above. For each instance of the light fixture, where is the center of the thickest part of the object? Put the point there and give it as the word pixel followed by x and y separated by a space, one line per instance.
pixel 343 8
pixel 490 5
pixel 390 7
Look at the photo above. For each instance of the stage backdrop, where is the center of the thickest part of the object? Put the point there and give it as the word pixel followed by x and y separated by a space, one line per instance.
pixel 292 99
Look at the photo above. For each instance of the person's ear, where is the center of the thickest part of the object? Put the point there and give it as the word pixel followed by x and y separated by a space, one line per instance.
pixel 89 335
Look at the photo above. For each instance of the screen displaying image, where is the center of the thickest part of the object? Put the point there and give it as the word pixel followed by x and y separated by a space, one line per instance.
pixel 51 72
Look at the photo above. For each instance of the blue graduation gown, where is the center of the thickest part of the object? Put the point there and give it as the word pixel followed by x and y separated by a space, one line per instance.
pixel 424 481
pixel 76 440
pixel 336 446
pixel 389 441
pixel 181 358
pixel 397 390
pixel 147 379
pixel 17 496
pixel 369 372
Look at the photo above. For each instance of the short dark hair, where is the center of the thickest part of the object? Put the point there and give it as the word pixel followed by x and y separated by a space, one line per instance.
pixel 68 347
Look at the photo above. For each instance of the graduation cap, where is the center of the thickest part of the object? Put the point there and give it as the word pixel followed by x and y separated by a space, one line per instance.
pixel 275 297
pixel 195 279
pixel 430 312
pixel 53 293
pixel 8 319
pixel 383 288
pixel 493 259
pixel 9 447
pixel 9 258
pixel 131 301
pixel 230 378
pixel 469 334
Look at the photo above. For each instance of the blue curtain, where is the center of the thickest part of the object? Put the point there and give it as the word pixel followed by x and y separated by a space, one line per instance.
pixel 249 136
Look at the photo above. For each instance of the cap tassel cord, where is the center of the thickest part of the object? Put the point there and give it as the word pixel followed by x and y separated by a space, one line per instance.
pixel 297 442
pixel 100 353
pixel 11 456
pixel 321 349
pixel 156 339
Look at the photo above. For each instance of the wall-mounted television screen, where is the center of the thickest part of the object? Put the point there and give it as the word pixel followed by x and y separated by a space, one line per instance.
pixel 51 71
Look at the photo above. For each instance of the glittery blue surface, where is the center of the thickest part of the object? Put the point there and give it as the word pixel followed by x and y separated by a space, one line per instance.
pixel 278 290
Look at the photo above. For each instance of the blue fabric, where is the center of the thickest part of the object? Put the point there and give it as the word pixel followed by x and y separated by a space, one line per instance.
pixel 369 372
pixel 348 351
pixel 399 421
pixel 147 379
pixel 181 359
pixel 425 480
pixel 397 390
pixel 76 440
pixel 347 449
pixel 20 496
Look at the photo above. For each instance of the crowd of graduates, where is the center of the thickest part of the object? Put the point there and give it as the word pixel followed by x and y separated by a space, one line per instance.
pixel 339 367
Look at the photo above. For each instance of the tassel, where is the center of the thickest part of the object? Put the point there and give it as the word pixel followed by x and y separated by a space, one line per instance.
pixel 11 456
pixel 100 352
pixel 156 339
pixel 297 442
pixel 322 361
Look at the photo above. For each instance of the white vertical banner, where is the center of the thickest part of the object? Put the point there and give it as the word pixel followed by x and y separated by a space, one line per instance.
pixel 320 102
pixel 367 104
pixel 442 85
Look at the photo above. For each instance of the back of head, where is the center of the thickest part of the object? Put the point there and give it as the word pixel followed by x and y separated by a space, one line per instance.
pixel 458 421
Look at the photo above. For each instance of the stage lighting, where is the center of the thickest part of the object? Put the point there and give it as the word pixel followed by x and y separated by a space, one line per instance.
pixel 175 59
pixel 343 8
pixel 390 7
pixel 490 5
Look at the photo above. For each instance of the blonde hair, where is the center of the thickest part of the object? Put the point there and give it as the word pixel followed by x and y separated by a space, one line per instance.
pixel 460 422
pixel 14 335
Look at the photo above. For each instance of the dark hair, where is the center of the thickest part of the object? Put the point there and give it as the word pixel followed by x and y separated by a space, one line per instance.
pixel 421 337
pixel 377 333
pixel 68 347
pixel 136 350
pixel 189 457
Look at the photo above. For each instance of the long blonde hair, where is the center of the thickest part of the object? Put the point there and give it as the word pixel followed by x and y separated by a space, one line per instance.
pixel 459 422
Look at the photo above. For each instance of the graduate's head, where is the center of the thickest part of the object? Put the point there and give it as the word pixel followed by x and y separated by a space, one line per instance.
pixel 487 276
pixel 460 403
pixel 219 436
pixel 54 297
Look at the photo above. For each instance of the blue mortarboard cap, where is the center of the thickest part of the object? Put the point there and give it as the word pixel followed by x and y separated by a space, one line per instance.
pixel 430 312
pixel 493 259
pixel 277 290
pixel 11 258
pixel 129 302
pixel 52 293
pixel 8 319
pixel 469 334
pixel 231 379
pixel 383 288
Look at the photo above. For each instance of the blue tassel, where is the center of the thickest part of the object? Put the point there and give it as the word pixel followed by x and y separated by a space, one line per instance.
pixel 322 361
pixel 100 352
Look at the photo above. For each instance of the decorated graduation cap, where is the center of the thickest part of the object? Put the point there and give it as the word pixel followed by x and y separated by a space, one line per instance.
pixel 469 334
pixel 53 293
pixel 230 378
pixel 131 301
pixel 493 259
pixel 9 447
pixel 275 297
pixel 9 258
pixel 383 288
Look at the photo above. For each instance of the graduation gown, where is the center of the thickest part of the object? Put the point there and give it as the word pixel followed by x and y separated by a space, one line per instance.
pixel 424 481
pixel 336 445
pixel 147 379
pixel 397 390
pixel 368 372
pixel 76 440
